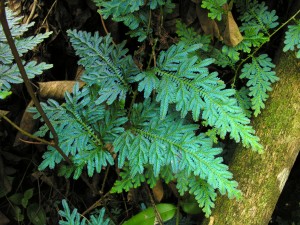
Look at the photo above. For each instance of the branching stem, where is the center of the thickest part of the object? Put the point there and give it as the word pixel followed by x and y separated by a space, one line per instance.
pixel 256 50
pixel 26 79
pixel 25 132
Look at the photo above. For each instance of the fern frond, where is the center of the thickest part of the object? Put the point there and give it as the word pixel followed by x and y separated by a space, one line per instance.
pixel 9 72
pixel 106 65
pixel 190 36
pixel 156 3
pixel 258 14
pixel 84 129
pixel 204 194
pixel 68 217
pixel 23 45
pixel 215 8
pixel 74 218
pixel 252 38
pixel 118 8
pixel 244 101
pixel 256 23
pixel 231 53
pixel 100 219
pixel 14 23
pixel 174 145
pixel 261 75
pixel 127 181
pixel 138 24
pixel 4 94
pixel 292 39
pixel 134 14
pixel 187 82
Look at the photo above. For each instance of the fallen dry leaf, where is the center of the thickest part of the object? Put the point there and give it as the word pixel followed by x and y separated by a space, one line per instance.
pixel 209 26
pixel 158 191
pixel 3 219
pixel 232 35
pixel 56 89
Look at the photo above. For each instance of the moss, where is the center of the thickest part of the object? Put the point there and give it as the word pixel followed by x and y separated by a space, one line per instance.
pixel 279 130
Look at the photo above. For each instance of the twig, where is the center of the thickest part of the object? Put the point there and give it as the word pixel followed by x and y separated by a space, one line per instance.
pixel 25 132
pixel 256 50
pixel 157 214
pixel 85 179
pixel 26 80
pixel 104 180
pixel 54 3
pixel 104 27
pixel 96 204
pixel 32 11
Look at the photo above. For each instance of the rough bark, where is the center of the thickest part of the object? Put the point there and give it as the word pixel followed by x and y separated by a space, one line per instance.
pixel 262 177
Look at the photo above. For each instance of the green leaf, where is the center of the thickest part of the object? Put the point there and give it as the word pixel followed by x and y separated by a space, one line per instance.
pixel 292 39
pixel 36 214
pixel 74 218
pixel 127 182
pixel 133 13
pixel 147 217
pixel 244 101
pixel 257 17
pixel 186 81
pixel 190 206
pixel 17 214
pixel 106 65
pixel 215 8
pixel 9 72
pixel 16 198
pixel 260 76
pixel 27 195
pixel 5 94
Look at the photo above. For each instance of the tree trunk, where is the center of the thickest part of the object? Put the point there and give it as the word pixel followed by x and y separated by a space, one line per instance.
pixel 262 177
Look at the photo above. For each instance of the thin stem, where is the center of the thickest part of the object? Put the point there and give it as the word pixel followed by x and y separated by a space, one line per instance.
pixel 35 2
pixel 132 103
pixel 254 52
pixel 104 180
pixel 153 56
pixel 96 204
pixel 157 214
pixel 49 11
pixel 177 214
pixel 25 132
pixel 104 26
pixel 26 79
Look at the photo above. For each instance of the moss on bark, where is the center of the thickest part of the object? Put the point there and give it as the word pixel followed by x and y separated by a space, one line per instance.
pixel 261 177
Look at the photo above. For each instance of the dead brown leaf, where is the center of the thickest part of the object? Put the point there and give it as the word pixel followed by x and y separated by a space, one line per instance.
pixel 232 35
pixel 158 191
pixel 209 26
pixel 56 89
pixel 3 219
pixel 15 5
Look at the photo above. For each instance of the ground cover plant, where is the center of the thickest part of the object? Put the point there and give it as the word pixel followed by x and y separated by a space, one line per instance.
pixel 161 113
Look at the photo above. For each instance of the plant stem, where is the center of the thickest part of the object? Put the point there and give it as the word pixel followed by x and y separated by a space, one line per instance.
pixel 25 132
pixel 254 52
pixel 157 214
pixel 26 79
